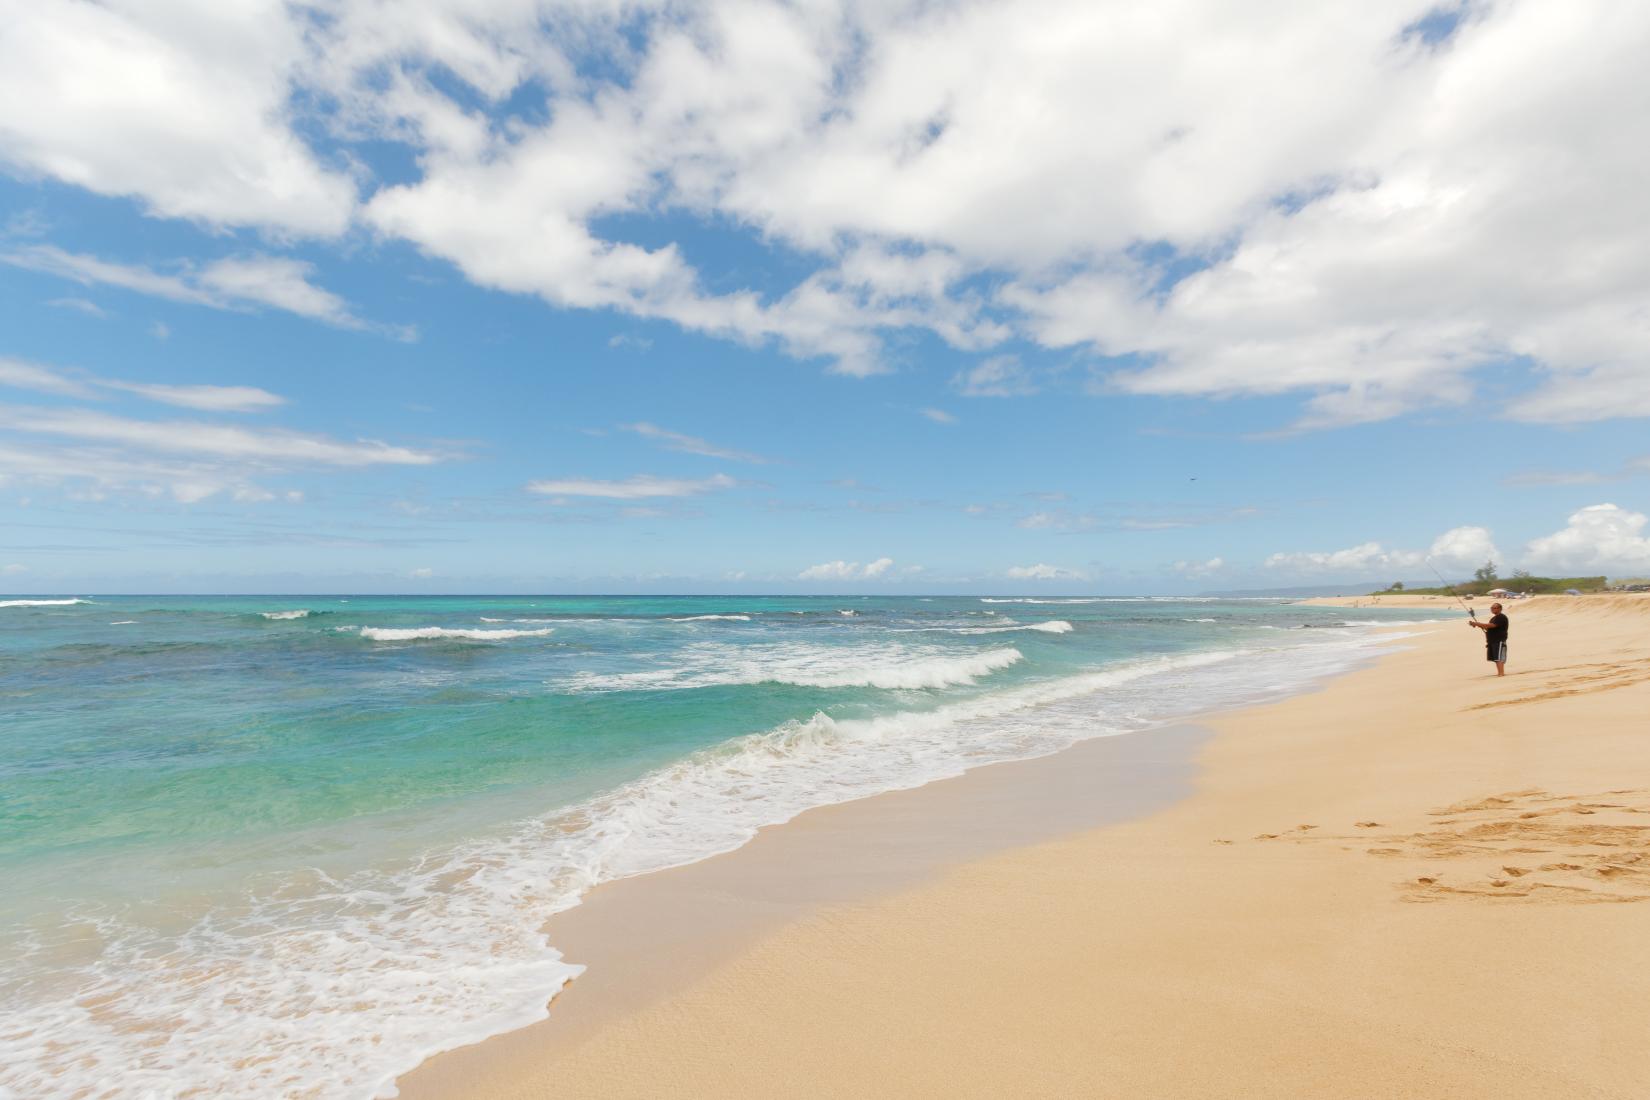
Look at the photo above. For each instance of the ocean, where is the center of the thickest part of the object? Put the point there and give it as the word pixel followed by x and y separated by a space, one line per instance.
pixel 291 846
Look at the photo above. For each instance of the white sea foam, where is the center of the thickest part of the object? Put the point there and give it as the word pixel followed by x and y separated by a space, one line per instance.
pixel 1200 620
pixel 1031 599
pixel 124 622
pixel 711 618
pixel 301 613
pixel 887 667
pixel 847 612
pixel 40 603
pixel 431 633
pixel 1052 626
pixel 340 985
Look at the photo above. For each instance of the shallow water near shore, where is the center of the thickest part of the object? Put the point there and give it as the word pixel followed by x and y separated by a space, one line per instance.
pixel 293 846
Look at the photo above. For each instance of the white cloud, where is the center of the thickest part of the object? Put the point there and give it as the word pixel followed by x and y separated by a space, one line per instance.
pixel 1061 520
pixel 1379 220
pixel 93 473
pixel 421 574
pixel 239 282
pixel 184 106
pixel 205 398
pixel 80 305
pixel 32 376
pixel 1044 572
pixel 640 487
pixel 938 416
pixel 1600 538
pixel 1459 549
pixel 840 570
pixel 18 374
pixel 1199 568
pixel 216 440
pixel 688 444
pixel 13 569
pixel 999 376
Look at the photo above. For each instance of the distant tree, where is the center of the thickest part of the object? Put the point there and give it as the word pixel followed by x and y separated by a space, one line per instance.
pixel 1485 572
pixel 1396 586
pixel 1522 574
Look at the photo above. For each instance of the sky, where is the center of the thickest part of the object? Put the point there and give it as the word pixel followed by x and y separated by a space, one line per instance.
pixel 1065 296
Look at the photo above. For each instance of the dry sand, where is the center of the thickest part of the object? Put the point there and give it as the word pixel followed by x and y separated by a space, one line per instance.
pixel 1419 882
pixel 1405 599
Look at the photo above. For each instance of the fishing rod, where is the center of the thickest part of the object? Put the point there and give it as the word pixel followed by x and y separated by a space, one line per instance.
pixel 1471 614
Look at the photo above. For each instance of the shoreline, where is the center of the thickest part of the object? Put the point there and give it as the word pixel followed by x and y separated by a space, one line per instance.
pixel 841 854
pixel 855 852
pixel 1414 882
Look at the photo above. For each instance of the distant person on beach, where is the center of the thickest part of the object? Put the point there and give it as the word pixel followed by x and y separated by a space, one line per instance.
pixel 1495 639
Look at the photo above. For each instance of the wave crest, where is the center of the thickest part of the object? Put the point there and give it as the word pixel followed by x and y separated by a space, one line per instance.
pixel 432 633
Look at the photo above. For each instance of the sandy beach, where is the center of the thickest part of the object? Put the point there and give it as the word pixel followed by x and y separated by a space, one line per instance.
pixel 1419 881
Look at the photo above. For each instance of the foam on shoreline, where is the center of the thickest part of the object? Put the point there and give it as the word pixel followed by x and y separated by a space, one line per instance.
pixel 357 952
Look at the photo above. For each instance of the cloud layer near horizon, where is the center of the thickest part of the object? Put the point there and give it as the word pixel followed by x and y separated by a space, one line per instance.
pixel 1371 206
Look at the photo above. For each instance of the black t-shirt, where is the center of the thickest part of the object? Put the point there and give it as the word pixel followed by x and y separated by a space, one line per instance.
pixel 1497 633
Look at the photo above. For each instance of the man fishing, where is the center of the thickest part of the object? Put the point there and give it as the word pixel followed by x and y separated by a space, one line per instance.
pixel 1495 638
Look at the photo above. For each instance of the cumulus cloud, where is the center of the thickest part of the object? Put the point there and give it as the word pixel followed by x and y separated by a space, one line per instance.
pixel 1381 218
pixel 690 444
pixel 938 416
pixel 185 107
pixel 1044 572
pixel 1199 568
pixel 840 570
pixel 639 487
pixel 1460 548
pixel 1600 538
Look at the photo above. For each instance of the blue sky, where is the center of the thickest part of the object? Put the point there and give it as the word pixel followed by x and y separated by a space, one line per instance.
pixel 759 298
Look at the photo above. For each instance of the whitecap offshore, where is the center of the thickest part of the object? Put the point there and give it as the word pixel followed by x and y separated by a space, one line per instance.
pixel 885 667
pixel 41 603
pixel 433 633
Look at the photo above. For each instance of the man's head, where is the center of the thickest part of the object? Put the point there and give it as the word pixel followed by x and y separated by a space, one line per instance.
pixel 1495 607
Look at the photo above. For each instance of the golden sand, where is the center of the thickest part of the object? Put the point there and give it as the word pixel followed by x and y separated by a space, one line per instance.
pixel 1420 881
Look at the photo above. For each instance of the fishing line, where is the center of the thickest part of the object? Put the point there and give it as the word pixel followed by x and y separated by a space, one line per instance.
pixel 1471 614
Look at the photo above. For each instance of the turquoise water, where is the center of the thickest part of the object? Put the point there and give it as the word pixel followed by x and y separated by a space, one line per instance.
pixel 328 829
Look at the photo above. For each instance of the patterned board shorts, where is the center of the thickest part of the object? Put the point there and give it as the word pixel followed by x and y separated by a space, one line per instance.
pixel 1496 652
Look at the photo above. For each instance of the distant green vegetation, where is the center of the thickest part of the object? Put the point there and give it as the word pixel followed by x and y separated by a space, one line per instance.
pixel 1518 582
